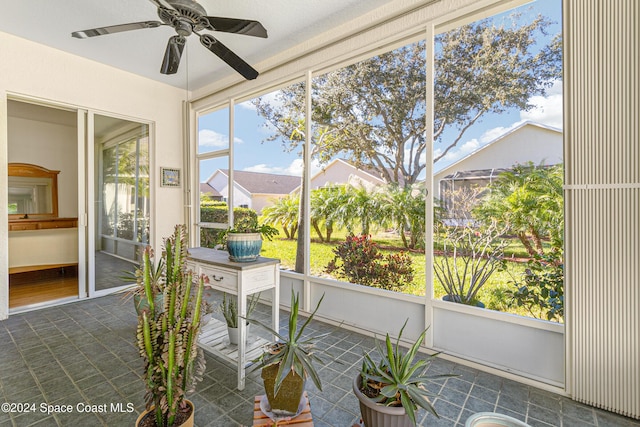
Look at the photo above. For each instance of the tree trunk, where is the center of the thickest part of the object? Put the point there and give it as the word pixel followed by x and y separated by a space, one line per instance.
pixel 527 244
pixel 300 247
pixel 537 241
pixel 329 231
pixel 318 231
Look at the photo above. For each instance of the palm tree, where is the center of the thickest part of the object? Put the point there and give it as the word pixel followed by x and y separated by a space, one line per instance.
pixel 325 203
pixel 359 207
pixel 284 213
pixel 529 202
pixel 404 208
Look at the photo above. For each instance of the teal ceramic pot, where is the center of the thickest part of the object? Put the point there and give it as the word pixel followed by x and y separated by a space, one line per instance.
pixel 244 247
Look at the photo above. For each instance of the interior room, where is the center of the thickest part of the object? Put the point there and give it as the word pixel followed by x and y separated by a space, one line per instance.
pixel 124 120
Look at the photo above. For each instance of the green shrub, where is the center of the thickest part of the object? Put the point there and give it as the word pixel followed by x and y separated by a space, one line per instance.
pixel 542 287
pixel 359 260
pixel 217 212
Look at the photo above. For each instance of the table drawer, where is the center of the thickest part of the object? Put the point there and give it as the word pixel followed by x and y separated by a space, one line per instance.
pixel 223 279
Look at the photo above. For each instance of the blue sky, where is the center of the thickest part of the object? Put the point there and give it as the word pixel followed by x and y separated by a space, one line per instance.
pixel 252 154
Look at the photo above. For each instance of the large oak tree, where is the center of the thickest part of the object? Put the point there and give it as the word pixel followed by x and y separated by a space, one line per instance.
pixel 373 112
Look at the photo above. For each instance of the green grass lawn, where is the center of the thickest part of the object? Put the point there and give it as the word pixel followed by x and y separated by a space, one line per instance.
pixel 492 294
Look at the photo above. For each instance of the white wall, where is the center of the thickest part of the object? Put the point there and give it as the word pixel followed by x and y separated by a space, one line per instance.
pixel 339 172
pixel 532 143
pixel 32 70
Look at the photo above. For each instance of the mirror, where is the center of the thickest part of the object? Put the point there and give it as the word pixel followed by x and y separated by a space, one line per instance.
pixel 33 192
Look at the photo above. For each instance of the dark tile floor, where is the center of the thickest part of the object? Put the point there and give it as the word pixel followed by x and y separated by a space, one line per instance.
pixel 82 354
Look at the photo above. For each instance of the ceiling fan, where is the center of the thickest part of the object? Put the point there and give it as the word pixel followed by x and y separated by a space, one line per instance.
pixel 188 17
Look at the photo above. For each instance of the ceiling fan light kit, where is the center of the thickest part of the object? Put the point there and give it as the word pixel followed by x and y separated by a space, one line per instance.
pixel 188 17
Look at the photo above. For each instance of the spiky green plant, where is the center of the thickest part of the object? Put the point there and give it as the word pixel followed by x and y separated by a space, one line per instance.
pixel 396 380
pixel 230 308
pixel 293 352
pixel 167 336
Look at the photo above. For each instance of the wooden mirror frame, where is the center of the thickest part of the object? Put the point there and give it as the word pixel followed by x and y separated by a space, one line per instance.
pixel 34 171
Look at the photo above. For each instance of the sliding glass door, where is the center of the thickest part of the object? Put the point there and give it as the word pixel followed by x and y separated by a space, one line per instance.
pixel 121 204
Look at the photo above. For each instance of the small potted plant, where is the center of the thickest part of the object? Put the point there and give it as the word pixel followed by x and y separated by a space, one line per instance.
pixel 392 390
pixel 287 364
pixel 244 241
pixel 167 336
pixel 230 312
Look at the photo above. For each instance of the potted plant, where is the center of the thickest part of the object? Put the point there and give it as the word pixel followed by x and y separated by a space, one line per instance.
pixel 230 312
pixel 472 250
pixel 167 336
pixel 137 291
pixel 492 419
pixel 244 241
pixel 287 364
pixel 392 390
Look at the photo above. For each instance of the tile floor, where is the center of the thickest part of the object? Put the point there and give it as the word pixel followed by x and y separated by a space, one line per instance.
pixel 83 354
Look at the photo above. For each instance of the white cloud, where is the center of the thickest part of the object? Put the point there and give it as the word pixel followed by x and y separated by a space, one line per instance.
pixel 270 98
pixel 211 138
pixel 493 133
pixel 547 110
pixel 294 168
pixel 463 150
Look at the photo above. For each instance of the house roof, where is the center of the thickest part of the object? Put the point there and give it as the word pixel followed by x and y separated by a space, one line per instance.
pixel 375 175
pixel 476 174
pixel 205 188
pixel 264 183
pixel 454 166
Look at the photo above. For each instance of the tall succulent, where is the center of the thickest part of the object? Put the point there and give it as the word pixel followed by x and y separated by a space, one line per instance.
pixel 167 335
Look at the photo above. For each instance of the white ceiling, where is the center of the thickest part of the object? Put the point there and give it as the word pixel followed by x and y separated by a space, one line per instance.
pixel 288 22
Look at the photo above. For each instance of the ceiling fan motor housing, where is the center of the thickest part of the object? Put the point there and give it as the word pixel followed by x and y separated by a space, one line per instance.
pixel 190 16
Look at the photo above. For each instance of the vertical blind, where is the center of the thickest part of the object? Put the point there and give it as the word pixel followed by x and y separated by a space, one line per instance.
pixel 602 194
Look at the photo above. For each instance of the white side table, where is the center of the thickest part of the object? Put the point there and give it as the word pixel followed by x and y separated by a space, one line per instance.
pixel 241 279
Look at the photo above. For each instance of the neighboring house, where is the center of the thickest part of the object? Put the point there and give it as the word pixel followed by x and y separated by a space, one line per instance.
pixel 253 190
pixel 340 171
pixel 209 191
pixel 528 142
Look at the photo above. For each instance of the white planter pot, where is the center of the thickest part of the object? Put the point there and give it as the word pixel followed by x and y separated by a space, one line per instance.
pixel 493 419
pixel 234 334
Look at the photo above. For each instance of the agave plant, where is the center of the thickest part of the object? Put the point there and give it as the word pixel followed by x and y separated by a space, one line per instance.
pixel 230 308
pixel 167 335
pixel 398 380
pixel 293 353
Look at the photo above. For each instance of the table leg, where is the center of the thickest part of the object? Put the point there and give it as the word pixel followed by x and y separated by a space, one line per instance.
pixel 242 336
pixel 275 306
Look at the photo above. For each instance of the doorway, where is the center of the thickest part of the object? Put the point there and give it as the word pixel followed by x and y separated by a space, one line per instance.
pixel 43 212
pixel 119 212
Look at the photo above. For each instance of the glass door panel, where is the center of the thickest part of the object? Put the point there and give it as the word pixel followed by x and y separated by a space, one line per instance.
pixel 121 199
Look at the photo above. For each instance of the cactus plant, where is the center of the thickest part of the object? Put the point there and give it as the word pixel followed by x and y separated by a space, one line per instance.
pixel 167 335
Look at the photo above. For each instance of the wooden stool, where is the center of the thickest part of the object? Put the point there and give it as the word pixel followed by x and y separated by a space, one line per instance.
pixel 304 419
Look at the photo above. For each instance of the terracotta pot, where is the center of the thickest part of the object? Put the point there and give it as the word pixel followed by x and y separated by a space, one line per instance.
pixel 376 415
pixel 287 401
pixel 189 422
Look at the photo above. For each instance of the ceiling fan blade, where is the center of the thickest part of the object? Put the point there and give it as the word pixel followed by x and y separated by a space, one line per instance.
pixel 172 55
pixel 162 3
pixel 228 56
pixel 237 26
pixel 115 29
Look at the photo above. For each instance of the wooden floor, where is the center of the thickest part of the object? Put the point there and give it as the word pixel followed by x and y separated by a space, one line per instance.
pixel 42 286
